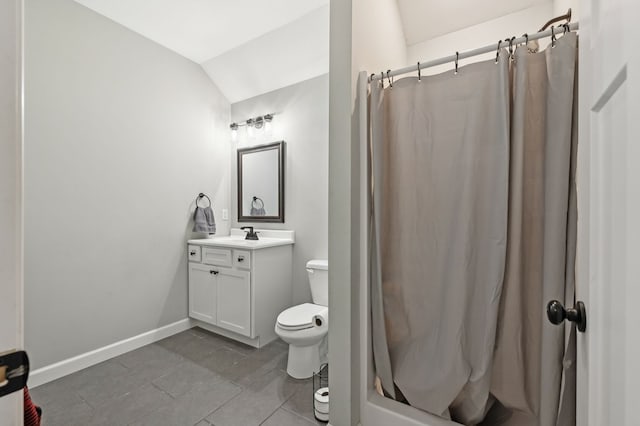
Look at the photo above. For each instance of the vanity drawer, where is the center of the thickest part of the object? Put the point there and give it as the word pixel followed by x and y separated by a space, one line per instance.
pixel 216 256
pixel 242 259
pixel 194 253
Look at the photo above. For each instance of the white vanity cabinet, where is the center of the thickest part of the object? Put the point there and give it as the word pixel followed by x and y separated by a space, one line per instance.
pixel 238 287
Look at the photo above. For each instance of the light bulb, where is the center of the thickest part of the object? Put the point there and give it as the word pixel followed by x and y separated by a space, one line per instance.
pixel 234 131
pixel 267 123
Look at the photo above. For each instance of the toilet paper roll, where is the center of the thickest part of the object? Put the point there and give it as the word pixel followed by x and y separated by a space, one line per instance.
pixel 321 319
pixel 321 404
pixel 323 417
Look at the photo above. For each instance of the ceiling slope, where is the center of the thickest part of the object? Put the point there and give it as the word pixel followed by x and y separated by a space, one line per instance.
pixel 202 29
pixel 293 53
pixel 427 19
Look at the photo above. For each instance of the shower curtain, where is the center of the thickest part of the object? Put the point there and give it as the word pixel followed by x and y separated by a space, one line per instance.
pixel 472 233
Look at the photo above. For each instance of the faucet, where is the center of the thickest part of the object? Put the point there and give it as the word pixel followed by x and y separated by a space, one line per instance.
pixel 251 235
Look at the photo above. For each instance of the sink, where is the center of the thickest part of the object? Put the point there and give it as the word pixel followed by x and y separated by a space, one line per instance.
pixel 268 238
pixel 239 241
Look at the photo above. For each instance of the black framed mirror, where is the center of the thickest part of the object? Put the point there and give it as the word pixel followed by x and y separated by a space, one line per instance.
pixel 261 183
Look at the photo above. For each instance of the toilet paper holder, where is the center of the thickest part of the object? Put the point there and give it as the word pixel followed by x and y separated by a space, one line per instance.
pixel 321 393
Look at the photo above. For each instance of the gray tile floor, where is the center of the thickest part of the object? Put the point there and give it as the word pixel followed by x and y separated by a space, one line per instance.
pixel 191 378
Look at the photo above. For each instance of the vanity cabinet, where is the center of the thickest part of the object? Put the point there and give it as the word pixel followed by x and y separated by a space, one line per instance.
pixel 237 288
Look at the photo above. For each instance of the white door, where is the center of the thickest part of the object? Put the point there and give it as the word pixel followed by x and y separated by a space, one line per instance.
pixel 11 335
pixel 609 211
pixel 203 292
pixel 234 301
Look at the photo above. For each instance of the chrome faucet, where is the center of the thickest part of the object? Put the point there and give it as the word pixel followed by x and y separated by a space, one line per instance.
pixel 251 235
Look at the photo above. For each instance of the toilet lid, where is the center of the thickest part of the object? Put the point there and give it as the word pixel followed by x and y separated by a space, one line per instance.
pixel 300 316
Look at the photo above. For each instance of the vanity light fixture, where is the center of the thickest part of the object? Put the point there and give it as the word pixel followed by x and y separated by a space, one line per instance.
pixel 259 122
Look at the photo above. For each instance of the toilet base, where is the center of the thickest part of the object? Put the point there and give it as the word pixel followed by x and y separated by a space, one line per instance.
pixel 303 361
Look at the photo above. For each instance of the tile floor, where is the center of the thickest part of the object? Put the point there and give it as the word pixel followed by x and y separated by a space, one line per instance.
pixel 192 378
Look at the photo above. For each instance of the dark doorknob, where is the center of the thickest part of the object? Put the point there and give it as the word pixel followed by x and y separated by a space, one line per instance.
pixel 557 313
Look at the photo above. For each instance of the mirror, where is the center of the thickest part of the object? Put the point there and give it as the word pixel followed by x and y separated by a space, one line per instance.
pixel 261 183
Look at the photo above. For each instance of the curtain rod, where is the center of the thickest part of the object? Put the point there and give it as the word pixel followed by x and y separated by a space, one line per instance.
pixel 462 55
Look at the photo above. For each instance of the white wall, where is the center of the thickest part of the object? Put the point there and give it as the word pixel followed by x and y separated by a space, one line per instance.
pixel 378 38
pixel 560 7
pixel 121 134
pixel 365 35
pixel 302 121
pixel 529 20
pixel 10 194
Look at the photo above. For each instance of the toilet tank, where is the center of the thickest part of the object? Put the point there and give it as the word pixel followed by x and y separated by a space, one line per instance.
pixel 318 271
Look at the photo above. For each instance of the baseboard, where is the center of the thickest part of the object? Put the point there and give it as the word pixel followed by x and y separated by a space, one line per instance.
pixel 71 365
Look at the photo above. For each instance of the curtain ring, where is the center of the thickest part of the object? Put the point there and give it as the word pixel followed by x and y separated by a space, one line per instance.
pixel 419 76
pixel 389 79
pixel 511 47
pixel 382 79
pixel 526 37
pixel 456 71
pixel 566 28
pixel 498 51
pixel 553 37
pixel 371 76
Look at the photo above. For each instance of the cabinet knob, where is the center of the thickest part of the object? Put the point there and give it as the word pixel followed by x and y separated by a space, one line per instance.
pixel 214 272
pixel 240 258
pixel 192 253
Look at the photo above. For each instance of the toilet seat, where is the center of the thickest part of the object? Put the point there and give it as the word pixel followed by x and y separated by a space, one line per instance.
pixel 299 317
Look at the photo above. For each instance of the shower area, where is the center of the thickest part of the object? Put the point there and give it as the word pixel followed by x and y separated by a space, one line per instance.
pixel 471 235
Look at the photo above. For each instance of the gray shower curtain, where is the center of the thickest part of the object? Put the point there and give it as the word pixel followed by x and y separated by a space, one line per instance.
pixel 472 233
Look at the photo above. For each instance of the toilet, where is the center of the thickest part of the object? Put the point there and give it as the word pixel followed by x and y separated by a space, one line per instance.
pixel 304 327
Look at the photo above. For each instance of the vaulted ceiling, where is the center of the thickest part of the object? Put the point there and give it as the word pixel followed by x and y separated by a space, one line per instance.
pixel 249 47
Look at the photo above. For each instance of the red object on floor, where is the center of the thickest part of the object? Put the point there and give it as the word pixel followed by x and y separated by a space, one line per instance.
pixel 31 417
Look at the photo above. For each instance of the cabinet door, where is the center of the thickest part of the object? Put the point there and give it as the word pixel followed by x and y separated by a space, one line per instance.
pixel 234 301
pixel 202 292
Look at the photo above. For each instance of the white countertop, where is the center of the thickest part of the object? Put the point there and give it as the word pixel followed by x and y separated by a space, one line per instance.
pixel 267 238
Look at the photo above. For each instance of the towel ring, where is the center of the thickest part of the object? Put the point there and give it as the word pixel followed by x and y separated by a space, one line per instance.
pixel 200 197
pixel 253 202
